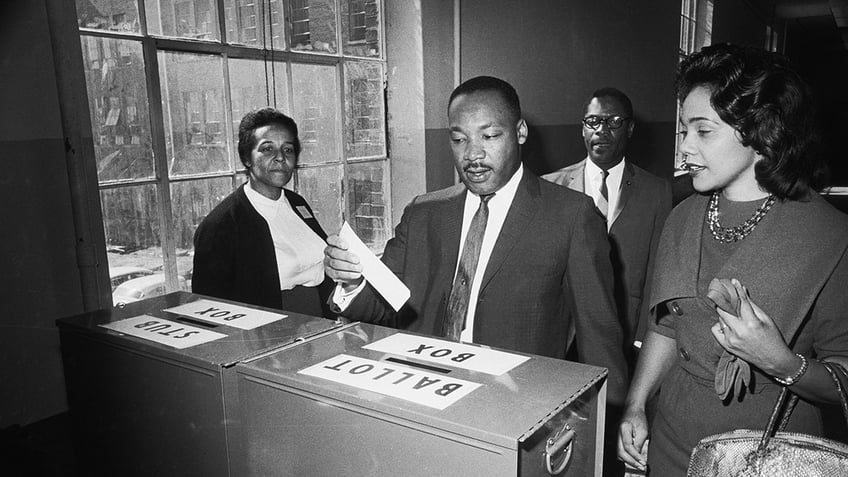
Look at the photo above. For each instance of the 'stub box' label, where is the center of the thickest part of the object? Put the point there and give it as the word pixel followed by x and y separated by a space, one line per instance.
pixel 169 333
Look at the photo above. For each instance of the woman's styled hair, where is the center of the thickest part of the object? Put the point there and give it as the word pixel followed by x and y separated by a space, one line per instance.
pixel 256 119
pixel 758 94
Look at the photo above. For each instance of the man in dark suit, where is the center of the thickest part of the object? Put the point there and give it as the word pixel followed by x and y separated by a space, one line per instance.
pixel 635 202
pixel 543 257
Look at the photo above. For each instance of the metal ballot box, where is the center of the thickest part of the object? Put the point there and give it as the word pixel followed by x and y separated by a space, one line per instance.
pixel 151 386
pixel 366 400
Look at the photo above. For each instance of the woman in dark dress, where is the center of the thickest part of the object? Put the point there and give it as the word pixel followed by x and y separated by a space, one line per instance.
pixel 262 244
pixel 758 225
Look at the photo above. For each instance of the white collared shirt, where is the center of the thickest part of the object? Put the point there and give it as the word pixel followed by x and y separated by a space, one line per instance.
pixel 592 184
pixel 498 208
pixel 298 249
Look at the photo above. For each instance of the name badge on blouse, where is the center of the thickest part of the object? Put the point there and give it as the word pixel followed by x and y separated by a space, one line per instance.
pixel 303 211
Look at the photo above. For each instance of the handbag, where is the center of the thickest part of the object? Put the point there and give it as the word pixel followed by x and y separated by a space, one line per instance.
pixel 772 452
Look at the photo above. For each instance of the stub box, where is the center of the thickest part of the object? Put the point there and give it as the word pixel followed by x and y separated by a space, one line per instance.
pixel 151 387
pixel 369 400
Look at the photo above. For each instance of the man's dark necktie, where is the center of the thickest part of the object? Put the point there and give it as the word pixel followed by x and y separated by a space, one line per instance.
pixel 460 293
pixel 603 200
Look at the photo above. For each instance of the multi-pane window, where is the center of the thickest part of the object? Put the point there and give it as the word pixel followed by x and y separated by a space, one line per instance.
pixel 168 85
pixel 696 27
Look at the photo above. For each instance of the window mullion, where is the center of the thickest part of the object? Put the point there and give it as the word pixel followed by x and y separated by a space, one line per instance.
pixel 142 17
pixel 340 146
pixel 160 158
pixel 228 117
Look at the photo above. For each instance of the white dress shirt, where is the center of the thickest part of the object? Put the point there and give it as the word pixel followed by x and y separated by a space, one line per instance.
pixel 592 175
pixel 498 207
pixel 298 249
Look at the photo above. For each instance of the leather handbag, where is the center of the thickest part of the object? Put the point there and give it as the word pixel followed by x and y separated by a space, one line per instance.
pixel 772 452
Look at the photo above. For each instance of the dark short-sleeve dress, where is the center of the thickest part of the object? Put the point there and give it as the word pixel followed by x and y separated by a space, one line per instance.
pixel 688 407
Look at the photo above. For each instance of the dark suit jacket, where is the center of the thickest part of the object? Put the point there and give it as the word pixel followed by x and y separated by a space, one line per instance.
pixel 234 254
pixel 637 221
pixel 549 264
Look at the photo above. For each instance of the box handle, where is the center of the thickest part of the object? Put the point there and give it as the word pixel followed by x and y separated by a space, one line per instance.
pixel 559 443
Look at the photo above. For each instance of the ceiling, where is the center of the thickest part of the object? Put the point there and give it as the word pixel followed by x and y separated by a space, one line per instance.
pixel 824 21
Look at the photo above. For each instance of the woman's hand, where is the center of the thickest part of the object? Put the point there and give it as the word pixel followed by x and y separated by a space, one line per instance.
pixel 633 438
pixel 753 336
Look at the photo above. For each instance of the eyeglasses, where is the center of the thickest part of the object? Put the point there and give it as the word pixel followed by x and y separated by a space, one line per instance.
pixel 612 122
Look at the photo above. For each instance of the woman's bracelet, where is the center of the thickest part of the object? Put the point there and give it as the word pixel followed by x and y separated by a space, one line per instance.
pixel 795 377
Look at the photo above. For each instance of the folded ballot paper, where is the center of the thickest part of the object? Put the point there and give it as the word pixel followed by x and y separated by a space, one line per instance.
pixel 387 284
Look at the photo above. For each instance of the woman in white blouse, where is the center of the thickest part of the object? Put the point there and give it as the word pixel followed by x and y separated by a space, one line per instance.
pixel 262 244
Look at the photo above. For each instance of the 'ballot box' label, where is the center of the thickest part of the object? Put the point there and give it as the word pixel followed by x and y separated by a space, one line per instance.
pixel 226 314
pixel 169 333
pixel 427 388
pixel 449 353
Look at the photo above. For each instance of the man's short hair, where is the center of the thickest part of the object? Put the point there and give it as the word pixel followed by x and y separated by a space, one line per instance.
pixel 610 92
pixel 490 83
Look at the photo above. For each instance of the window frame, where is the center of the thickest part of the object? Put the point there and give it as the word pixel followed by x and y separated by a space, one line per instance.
pixel 152 45
pixel 696 19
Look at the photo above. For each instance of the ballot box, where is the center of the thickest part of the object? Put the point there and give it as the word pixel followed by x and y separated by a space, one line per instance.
pixel 366 400
pixel 151 386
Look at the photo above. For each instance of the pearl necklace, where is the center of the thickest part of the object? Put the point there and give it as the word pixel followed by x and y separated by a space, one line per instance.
pixel 739 232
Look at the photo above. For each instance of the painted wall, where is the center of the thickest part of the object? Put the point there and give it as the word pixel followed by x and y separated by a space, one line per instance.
pixel 437 17
pixel 556 53
pixel 740 22
pixel 39 281
pixel 405 103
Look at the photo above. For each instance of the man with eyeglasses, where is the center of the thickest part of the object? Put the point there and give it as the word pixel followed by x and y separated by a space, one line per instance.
pixel 634 202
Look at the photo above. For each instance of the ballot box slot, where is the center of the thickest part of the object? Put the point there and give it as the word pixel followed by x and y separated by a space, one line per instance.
pixel 192 321
pixel 428 367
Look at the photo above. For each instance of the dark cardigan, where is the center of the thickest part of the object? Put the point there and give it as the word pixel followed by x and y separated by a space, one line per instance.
pixel 234 254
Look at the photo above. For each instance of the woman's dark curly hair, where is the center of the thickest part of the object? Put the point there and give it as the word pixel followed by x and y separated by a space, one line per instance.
pixel 758 94
pixel 256 119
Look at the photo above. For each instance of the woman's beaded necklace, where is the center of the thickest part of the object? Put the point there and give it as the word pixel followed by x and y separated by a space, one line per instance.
pixel 739 232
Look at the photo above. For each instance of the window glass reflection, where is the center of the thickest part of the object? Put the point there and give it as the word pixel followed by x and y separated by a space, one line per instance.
pixel 361 27
pixel 109 15
pixel 322 189
pixel 315 107
pixel 365 121
pixel 193 97
pixel 131 226
pixel 367 202
pixel 191 201
pixel 194 19
pixel 313 25
pixel 243 20
pixel 117 102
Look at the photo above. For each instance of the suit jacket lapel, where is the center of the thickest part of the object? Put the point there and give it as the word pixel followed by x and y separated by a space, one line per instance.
pixel 521 212
pixel 448 222
pixel 624 192
pixel 575 179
